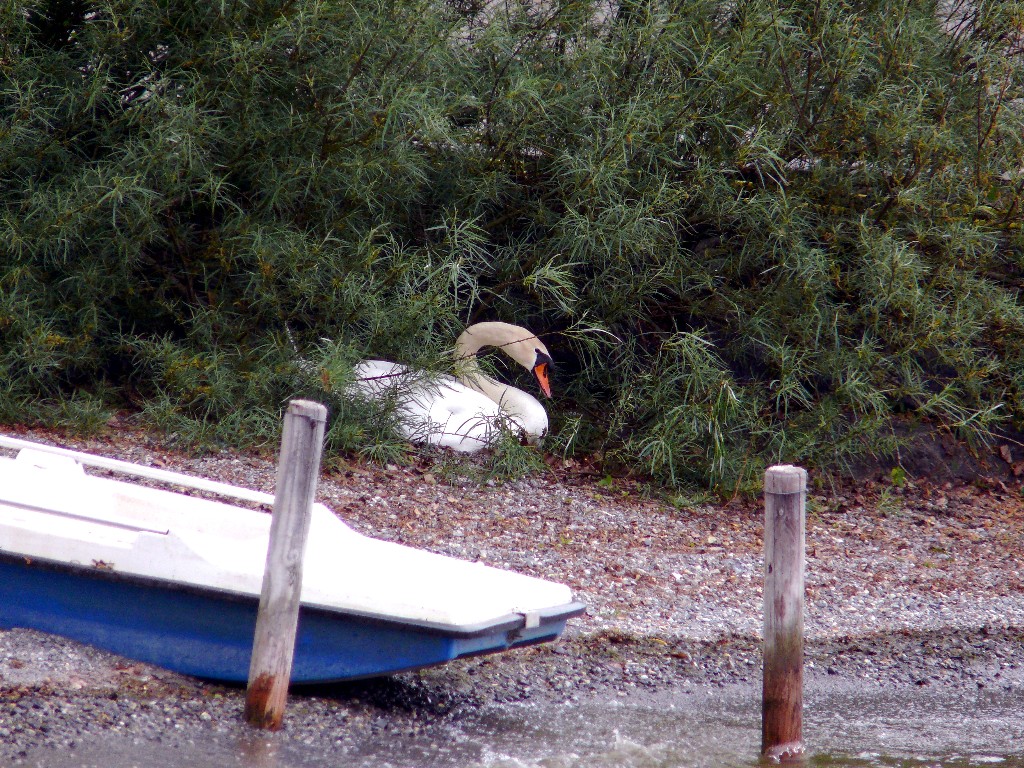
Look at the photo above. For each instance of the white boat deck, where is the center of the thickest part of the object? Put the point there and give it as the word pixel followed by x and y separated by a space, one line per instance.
pixel 51 509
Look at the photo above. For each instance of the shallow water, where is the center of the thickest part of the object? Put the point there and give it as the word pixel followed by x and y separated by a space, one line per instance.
pixel 867 729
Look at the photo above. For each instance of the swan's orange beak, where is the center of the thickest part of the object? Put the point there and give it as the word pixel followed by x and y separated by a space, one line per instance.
pixel 541 372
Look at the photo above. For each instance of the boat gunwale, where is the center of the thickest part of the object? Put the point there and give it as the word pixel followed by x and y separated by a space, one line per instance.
pixel 138 470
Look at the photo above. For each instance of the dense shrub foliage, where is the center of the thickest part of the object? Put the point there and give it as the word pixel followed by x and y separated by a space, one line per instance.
pixel 750 230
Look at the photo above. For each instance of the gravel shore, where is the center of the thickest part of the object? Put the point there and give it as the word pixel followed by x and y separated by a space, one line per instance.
pixel 913 586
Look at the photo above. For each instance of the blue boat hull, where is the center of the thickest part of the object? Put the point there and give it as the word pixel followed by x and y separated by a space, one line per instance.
pixel 209 634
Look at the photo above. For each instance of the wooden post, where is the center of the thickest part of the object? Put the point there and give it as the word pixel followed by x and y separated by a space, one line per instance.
pixel 785 489
pixel 274 642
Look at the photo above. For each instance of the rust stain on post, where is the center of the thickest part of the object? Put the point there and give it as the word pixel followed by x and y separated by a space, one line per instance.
pixel 785 490
pixel 258 710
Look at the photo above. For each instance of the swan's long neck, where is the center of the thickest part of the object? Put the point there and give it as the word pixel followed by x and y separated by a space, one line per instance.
pixel 468 372
pixel 522 408
pixel 501 335
pixel 505 337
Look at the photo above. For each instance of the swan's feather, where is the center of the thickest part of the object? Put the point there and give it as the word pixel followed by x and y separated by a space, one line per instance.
pixel 438 411
pixel 443 411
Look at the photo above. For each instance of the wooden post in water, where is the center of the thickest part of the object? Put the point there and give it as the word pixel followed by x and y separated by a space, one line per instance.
pixel 274 642
pixel 785 489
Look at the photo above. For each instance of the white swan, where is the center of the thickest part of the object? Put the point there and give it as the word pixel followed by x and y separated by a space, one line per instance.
pixel 465 412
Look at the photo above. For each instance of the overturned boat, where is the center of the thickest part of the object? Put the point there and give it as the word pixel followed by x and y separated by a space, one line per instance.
pixel 175 580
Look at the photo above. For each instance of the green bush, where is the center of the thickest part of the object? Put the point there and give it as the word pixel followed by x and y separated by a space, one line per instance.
pixel 749 230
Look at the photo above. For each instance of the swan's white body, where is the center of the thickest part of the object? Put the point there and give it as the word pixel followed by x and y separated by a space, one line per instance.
pixel 466 412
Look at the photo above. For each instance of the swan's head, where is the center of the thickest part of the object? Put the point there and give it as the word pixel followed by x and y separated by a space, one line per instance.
pixel 518 343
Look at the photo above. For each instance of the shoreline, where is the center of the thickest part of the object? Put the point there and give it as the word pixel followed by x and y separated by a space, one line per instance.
pixel 64 717
pixel 908 588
